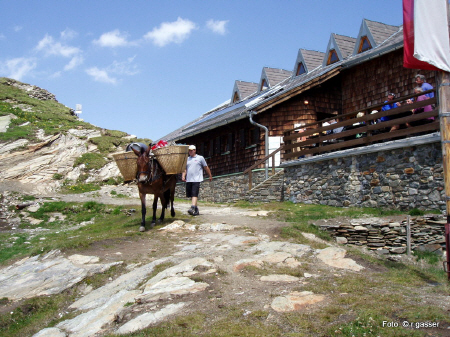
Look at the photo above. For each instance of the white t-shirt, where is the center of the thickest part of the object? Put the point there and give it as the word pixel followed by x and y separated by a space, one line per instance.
pixel 194 169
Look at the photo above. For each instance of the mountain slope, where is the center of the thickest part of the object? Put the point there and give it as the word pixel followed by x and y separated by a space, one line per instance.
pixel 43 143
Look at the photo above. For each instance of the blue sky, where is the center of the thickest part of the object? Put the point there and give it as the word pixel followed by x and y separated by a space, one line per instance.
pixel 149 67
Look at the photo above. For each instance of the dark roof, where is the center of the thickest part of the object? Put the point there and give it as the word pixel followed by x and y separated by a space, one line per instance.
pixel 274 76
pixel 312 58
pixel 346 44
pixel 244 89
pixel 380 31
pixel 286 87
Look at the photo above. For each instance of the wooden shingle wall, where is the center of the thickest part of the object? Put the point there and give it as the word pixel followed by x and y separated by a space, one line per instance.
pixel 232 148
pixel 369 83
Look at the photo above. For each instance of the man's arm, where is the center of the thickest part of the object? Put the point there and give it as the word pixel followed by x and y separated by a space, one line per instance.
pixel 209 172
pixel 183 175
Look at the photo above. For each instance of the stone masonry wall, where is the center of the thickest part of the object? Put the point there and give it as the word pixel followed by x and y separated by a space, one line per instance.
pixel 402 178
pixel 229 188
pixel 427 233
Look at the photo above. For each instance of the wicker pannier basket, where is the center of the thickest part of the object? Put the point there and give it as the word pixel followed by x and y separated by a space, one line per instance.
pixel 126 161
pixel 172 158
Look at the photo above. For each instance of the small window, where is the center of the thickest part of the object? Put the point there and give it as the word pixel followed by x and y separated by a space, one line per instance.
pixel 264 85
pixel 230 143
pixel 332 57
pixel 202 149
pixel 254 136
pixel 235 97
pixel 364 44
pixel 217 145
pixel 211 148
pixel 242 138
pixel 300 69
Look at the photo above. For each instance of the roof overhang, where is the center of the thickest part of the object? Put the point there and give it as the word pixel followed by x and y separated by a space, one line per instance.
pixel 282 97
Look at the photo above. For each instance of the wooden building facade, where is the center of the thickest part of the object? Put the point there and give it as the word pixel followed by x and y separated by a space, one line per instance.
pixel 231 143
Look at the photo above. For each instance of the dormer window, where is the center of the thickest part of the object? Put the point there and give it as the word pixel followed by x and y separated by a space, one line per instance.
pixel 332 57
pixel 264 85
pixel 364 45
pixel 300 69
pixel 235 97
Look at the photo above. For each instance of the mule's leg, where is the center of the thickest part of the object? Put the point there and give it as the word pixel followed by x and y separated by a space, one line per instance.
pixel 155 205
pixel 163 206
pixel 143 211
pixel 172 196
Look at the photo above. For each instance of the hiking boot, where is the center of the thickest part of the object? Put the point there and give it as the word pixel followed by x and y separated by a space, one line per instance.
pixel 196 212
pixel 191 210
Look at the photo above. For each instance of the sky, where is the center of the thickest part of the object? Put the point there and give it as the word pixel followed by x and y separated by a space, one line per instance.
pixel 150 67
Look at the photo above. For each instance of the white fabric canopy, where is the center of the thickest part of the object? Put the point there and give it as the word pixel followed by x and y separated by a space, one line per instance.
pixel 431 33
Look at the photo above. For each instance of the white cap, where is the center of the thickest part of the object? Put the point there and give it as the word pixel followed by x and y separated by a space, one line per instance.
pixel 192 147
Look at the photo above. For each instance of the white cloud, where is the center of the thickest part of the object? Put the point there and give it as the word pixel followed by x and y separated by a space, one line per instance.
pixel 17 28
pixel 74 62
pixel 116 68
pixel 169 32
pixel 112 39
pixel 18 68
pixel 51 47
pixel 124 68
pixel 68 34
pixel 217 26
pixel 2 37
pixel 100 75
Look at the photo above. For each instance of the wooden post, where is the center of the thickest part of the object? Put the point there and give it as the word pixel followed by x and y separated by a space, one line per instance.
pixel 444 119
pixel 408 237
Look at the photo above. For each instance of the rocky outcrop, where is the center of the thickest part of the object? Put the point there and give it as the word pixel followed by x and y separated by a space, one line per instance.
pixel 133 301
pixel 39 163
pixel 32 90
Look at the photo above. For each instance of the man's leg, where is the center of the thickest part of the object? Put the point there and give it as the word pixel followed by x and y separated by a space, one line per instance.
pixel 195 192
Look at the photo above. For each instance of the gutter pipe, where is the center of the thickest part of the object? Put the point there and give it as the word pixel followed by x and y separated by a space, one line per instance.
pixel 266 139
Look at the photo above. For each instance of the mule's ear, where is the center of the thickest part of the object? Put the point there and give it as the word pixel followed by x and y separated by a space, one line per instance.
pixel 149 148
pixel 136 152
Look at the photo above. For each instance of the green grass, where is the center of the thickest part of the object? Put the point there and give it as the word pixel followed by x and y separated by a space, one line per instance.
pixel 107 225
pixel 52 117
pixel 80 188
pixel 91 161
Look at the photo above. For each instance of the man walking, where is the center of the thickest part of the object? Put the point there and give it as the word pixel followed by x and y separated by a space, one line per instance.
pixel 193 176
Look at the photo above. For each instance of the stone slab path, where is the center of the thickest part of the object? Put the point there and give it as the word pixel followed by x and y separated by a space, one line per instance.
pixel 206 268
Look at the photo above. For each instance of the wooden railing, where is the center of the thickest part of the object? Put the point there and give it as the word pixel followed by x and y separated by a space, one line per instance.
pixel 259 162
pixel 318 140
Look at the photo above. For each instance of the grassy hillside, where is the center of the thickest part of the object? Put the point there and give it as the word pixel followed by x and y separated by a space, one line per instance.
pixel 47 114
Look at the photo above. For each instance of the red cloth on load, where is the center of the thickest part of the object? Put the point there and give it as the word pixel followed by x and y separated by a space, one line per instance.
pixel 161 143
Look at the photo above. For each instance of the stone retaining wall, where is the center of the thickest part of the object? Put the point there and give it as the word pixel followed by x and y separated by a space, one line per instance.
pixel 400 175
pixel 229 188
pixel 427 233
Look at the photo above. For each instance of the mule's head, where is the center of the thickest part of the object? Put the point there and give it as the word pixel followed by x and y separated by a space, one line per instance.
pixel 143 164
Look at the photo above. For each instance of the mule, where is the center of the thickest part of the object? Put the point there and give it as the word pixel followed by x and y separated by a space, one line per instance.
pixel 152 179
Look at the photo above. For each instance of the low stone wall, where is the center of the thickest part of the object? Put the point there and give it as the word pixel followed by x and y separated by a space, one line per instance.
pixel 402 174
pixel 227 188
pixel 427 233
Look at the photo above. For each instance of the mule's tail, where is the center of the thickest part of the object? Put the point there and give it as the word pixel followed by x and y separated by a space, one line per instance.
pixel 167 197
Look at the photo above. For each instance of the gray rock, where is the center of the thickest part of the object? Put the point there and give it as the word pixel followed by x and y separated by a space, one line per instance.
pixel 91 322
pixel 341 240
pixel 43 275
pixel 334 257
pixel 144 320
pixel 50 332
pixel 129 281
pixel 398 250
